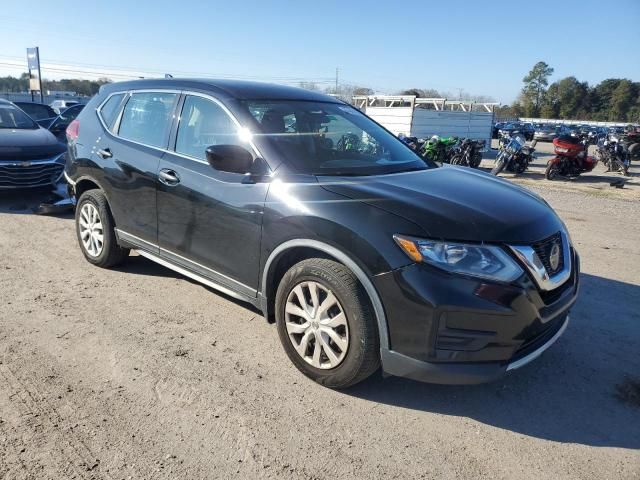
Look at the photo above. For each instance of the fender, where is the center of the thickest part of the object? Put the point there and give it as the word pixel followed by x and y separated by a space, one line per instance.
pixel 555 160
pixel 74 183
pixel 378 309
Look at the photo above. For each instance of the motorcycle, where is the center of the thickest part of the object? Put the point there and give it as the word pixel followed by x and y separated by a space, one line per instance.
pixel 438 149
pixel 631 141
pixel 614 155
pixel 571 158
pixel 468 153
pixel 514 155
pixel 412 142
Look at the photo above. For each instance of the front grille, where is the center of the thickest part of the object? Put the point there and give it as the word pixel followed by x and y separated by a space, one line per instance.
pixel 33 175
pixel 544 248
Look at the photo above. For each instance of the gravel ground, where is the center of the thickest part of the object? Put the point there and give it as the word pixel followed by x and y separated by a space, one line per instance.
pixel 140 373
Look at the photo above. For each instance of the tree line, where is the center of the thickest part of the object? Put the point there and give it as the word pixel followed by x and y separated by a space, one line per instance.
pixel 81 87
pixel 612 100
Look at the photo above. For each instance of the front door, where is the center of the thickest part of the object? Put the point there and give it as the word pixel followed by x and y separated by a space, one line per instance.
pixel 209 221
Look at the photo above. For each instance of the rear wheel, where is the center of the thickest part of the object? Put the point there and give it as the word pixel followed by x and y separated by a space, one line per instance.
pixel 95 231
pixel 326 324
pixel 476 160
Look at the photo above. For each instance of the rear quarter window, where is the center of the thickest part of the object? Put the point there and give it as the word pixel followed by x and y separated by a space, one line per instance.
pixel 109 111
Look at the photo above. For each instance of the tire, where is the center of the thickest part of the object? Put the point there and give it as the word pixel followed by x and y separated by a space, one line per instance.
pixel 477 160
pixel 457 160
pixel 106 253
pixel 338 365
pixel 500 164
pixel 552 171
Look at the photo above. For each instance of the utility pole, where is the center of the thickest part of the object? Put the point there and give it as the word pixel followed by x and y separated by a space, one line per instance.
pixel 336 80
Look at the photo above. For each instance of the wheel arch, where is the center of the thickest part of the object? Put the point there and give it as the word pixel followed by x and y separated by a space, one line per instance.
pixel 290 252
pixel 85 183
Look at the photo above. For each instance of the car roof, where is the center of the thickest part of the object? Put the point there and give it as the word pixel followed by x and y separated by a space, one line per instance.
pixel 239 89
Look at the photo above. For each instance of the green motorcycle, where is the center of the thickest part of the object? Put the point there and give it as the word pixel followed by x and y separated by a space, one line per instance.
pixel 439 149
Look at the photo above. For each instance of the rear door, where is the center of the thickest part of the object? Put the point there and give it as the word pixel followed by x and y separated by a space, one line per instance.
pixel 209 221
pixel 131 157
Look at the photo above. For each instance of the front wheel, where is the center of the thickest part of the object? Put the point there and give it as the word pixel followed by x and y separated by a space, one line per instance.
pixel 501 162
pixel 326 324
pixel 552 171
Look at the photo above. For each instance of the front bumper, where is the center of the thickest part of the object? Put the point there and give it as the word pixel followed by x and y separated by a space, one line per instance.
pixel 31 173
pixel 457 330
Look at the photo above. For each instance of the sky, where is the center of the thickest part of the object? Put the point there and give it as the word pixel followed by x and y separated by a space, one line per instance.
pixel 479 47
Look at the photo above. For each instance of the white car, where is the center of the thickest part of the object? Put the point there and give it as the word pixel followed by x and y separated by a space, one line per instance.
pixel 61 105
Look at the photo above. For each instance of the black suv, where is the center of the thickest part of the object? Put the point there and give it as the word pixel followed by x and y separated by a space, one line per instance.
pixel 362 253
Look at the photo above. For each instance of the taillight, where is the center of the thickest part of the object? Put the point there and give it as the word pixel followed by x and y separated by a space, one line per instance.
pixel 73 130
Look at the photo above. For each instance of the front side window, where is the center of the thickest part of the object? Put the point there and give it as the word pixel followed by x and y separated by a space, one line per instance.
pixel 146 118
pixel 204 123
pixel 14 118
pixel 330 139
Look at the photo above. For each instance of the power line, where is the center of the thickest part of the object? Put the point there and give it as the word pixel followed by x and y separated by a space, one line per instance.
pixel 119 71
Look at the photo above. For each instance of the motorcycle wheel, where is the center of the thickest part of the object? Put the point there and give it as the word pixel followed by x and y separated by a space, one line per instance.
pixel 476 160
pixel 520 168
pixel 500 164
pixel 552 171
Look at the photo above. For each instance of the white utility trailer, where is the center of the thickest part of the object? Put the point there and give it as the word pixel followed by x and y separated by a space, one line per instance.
pixel 425 117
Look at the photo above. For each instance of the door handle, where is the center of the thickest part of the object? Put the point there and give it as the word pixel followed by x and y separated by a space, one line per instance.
pixel 168 177
pixel 105 153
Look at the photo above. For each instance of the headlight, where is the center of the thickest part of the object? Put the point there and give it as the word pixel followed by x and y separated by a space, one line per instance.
pixel 484 261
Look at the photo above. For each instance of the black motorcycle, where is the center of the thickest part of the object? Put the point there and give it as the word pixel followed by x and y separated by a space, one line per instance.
pixel 614 154
pixel 514 155
pixel 468 153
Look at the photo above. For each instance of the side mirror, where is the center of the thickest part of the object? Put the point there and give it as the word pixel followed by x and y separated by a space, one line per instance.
pixel 229 158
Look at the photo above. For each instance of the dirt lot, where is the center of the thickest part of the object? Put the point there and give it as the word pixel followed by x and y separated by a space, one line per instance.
pixel 140 373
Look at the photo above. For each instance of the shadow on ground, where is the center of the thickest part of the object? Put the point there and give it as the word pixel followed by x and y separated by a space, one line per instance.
pixel 569 395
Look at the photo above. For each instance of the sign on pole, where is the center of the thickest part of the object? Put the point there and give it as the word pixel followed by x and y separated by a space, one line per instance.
pixel 33 64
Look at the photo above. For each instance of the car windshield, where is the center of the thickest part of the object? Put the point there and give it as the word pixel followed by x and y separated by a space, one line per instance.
pixel 14 118
pixel 324 138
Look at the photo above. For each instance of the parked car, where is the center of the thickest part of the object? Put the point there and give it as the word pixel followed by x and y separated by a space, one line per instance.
pixel 547 133
pixel 496 129
pixel 362 253
pixel 30 155
pixel 510 129
pixel 528 130
pixel 58 125
pixel 41 113
pixel 61 105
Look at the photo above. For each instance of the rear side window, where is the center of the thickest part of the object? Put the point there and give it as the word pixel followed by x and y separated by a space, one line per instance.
pixel 146 118
pixel 109 110
pixel 37 111
pixel 204 123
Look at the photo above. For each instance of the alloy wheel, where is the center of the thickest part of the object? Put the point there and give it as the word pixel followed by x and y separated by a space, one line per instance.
pixel 317 325
pixel 91 230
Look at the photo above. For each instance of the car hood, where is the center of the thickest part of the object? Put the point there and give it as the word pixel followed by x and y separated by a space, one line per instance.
pixel 455 203
pixel 28 144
